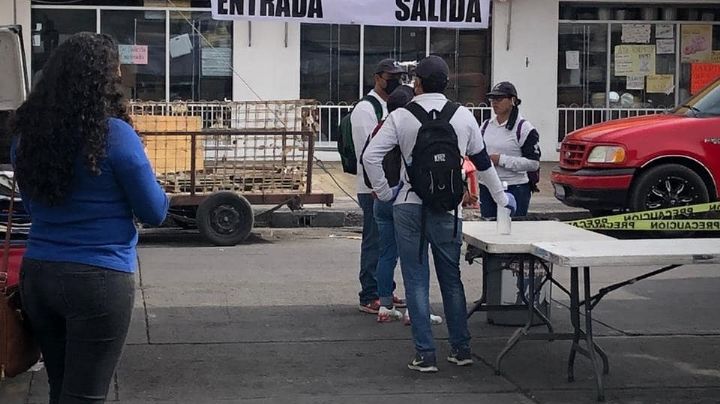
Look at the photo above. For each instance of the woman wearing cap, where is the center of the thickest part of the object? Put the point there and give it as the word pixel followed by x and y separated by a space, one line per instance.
pixel 513 145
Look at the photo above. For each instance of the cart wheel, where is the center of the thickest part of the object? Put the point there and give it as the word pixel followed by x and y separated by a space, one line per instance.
pixel 225 218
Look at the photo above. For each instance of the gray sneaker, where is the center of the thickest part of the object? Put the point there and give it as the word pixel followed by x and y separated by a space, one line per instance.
pixel 423 363
pixel 460 357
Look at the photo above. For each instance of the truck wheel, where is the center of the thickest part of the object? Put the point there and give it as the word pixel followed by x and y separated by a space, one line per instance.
pixel 667 186
pixel 225 218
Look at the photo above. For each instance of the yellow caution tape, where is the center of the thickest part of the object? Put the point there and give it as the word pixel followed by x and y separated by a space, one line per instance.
pixel 659 220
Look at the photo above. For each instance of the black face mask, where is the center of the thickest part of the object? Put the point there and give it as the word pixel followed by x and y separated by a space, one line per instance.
pixel 391 85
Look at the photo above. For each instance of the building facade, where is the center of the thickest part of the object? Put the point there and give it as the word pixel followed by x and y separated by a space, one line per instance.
pixel 574 62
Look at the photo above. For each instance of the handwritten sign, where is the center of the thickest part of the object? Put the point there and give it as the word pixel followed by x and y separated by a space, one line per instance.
pixel 661 83
pixel 636 33
pixel 133 54
pixel 634 60
pixel 702 74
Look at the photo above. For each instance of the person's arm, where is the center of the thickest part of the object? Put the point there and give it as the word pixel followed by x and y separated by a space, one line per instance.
pixel 530 160
pixel 364 121
pixel 381 144
pixel 133 171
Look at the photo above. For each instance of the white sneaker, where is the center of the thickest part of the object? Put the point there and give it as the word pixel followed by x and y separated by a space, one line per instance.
pixel 435 320
pixel 386 315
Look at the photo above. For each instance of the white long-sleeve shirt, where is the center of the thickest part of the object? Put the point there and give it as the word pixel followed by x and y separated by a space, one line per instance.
pixel 364 120
pixel 401 128
pixel 514 163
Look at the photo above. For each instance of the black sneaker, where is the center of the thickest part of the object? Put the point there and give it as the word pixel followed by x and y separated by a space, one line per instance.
pixel 460 357
pixel 423 363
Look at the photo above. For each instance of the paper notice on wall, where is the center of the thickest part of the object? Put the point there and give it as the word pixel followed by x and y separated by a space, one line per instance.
pixel 702 74
pixel 661 83
pixel 217 62
pixel 635 83
pixel 636 33
pixel 665 46
pixel 36 41
pixel 634 60
pixel 572 60
pixel 695 43
pixel 665 31
pixel 133 54
pixel 715 57
pixel 180 45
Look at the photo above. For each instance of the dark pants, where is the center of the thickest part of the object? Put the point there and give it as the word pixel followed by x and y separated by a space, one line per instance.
pixel 80 316
pixel 521 192
pixel 369 251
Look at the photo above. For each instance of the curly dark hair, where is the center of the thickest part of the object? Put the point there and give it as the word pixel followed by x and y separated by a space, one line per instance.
pixel 66 116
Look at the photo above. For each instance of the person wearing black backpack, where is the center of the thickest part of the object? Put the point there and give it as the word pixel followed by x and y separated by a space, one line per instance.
pixel 433 134
pixel 364 118
pixel 514 148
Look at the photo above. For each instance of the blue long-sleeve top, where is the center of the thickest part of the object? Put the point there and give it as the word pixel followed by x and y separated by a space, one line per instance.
pixel 94 224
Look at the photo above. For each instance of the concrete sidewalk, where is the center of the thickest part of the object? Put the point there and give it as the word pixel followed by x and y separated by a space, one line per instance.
pixel 328 177
pixel 275 320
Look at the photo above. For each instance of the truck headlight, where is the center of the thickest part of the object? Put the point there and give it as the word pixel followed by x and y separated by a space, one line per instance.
pixel 607 154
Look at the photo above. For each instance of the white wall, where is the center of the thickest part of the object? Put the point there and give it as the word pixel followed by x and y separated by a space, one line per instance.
pixel 262 60
pixel 530 62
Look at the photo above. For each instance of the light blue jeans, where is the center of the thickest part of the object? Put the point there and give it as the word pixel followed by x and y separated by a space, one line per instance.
pixel 388 252
pixel 445 244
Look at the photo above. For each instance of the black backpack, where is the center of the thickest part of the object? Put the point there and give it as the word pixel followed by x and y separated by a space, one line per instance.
pixel 345 144
pixel 436 173
pixel 391 162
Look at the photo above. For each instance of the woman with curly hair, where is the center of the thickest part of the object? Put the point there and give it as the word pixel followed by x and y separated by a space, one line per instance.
pixel 83 175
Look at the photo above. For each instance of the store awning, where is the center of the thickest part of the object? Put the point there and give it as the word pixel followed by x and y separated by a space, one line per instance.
pixel 463 14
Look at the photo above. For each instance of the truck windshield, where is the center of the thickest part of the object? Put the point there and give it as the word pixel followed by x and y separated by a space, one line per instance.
pixel 705 103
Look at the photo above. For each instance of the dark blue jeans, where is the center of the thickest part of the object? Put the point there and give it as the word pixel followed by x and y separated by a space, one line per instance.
pixel 388 252
pixel 445 244
pixel 369 251
pixel 80 316
pixel 521 192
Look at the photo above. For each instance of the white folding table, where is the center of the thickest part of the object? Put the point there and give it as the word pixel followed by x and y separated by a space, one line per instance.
pixel 484 237
pixel 668 253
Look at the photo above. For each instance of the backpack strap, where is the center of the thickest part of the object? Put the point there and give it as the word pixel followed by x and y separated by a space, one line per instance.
pixel 376 106
pixel 484 127
pixel 448 111
pixel 518 131
pixel 418 112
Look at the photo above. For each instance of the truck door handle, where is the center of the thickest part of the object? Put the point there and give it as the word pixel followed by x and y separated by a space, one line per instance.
pixel 712 140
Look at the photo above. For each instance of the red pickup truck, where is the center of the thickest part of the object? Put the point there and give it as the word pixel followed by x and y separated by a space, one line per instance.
pixel 643 163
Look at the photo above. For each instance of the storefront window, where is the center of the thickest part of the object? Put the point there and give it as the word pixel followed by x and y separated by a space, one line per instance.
pixel 404 44
pixel 141 40
pixel 582 65
pixel 50 28
pixel 329 62
pixel 200 66
pixel 467 53
pixel 643 57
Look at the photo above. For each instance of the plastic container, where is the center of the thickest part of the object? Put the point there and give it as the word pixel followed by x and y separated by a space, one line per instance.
pixel 503 220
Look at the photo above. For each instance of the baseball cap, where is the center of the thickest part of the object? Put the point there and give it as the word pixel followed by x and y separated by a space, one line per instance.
pixel 432 67
pixel 389 66
pixel 503 89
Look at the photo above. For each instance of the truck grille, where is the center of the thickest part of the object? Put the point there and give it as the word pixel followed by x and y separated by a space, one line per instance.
pixel 572 155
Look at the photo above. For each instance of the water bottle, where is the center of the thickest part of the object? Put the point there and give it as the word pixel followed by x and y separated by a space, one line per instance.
pixel 503 216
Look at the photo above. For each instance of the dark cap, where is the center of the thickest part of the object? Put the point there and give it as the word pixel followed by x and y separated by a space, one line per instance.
pixel 432 67
pixel 503 89
pixel 400 97
pixel 389 66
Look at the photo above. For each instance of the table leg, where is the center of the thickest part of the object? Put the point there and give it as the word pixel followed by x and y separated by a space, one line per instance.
pixel 483 297
pixel 591 347
pixel 575 320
